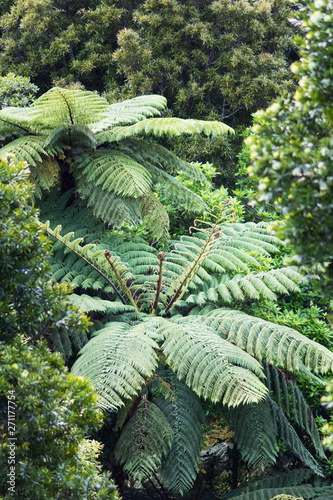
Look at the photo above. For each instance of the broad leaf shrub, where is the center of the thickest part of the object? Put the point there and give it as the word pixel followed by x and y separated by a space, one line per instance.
pixel 30 304
pixel 291 147
pixel 48 411
pixel 53 413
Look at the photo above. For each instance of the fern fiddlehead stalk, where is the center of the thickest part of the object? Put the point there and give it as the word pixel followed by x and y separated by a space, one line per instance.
pixel 161 258
pixel 127 291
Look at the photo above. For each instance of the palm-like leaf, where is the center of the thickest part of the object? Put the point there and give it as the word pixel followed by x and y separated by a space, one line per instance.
pixel 184 413
pixel 278 345
pixel 117 361
pixel 144 441
pixel 171 127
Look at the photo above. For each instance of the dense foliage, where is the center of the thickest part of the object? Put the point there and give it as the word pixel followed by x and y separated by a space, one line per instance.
pixel 291 148
pixel 46 412
pixel 30 304
pixel 16 91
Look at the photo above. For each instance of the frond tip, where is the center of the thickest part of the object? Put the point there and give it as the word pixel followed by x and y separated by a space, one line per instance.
pixel 144 441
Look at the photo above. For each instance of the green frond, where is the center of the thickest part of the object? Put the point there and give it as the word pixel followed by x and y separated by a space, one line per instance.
pixel 304 491
pixel 171 127
pixel 255 434
pixel 277 344
pixel 114 172
pixel 131 111
pixel 260 285
pixel 155 154
pixel 91 254
pixel 112 209
pixel 76 135
pixel 29 148
pixel 289 397
pixel 212 367
pixel 288 434
pixel 178 194
pixel 117 361
pixel 185 416
pixel 95 304
pixel 14 122
pixel 293 477
pixel 144 441
pixel 45 175
pixel 67 107
pixel 155 217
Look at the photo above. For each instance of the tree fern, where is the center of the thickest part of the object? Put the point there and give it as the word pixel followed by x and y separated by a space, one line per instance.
pixel 212 353
pixel 78 130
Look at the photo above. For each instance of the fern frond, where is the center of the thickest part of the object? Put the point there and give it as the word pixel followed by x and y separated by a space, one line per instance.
pixel 131 111
pixel 28 148
pixel 289 397
pixel 184 413
pixel 171 127
pixel 117 361
pixel 114 172
pixel 112 209
pixel 288 434
pixel 155 217
pixel 294 477
pixel 213 368
pixel 277 344
pixel 255 434
pixel 260 285
pixel 15 122
pixel 305 491
pixel 67 107
pixel 91 254
pixel 76 135
pixel 95 304
pixel 157 155
pixel 144 441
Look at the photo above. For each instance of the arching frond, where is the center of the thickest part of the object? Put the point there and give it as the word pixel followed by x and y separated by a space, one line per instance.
pixel 131 111
pixel 213 368
pixel 288 434
pixel 155 154
pixel 15 122
pixel 60 106
pixel 294 477
pixel 76 135
pixel 255 434
pixel 185 416
pixel 29 148
pixel 289 397
pixel 155 217
pixel 277 344
pixel 117 361
pixel 171 127
pixel 114 172
pixel 305 491
pixel 144 441
pixel 95 304
pixel 252 286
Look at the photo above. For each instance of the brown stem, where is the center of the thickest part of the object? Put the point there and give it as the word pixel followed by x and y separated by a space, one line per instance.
pixel 161 258
pixel 127 291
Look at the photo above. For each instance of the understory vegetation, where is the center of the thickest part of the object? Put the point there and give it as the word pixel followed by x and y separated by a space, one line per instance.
pixel 166 313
